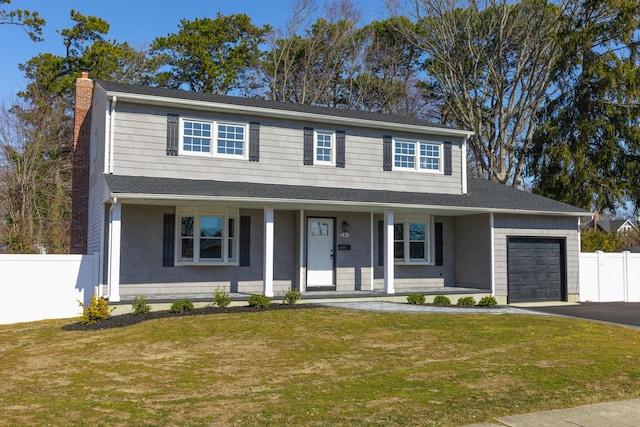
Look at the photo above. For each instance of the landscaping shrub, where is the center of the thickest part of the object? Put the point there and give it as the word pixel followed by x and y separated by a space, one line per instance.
pixel 487 302
pixel 96 311
pixel 221 298
pixel 291 297
pixel 441 300
pixel 140 305
pixel 181 306
pixel 259 301
pixel 416 299
pixel 466 302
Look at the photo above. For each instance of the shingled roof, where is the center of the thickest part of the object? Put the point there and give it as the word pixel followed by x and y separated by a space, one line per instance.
pixel 147 91
pixel 482 196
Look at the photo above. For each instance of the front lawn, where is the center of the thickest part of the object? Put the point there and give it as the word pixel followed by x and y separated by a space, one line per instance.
pixel 312 367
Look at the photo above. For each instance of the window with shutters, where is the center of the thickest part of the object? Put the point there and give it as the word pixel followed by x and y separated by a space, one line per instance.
pixel 324 148
pixel 417 155
pixel 207 236
pixel 413 240
pixel 211 138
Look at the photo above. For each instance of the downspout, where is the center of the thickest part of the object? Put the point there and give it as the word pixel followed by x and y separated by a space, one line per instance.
pixel 112 126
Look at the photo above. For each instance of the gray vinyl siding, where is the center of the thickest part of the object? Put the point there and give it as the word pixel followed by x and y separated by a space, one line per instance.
pixel 98 192
pixel 140 149
pixel 141 258
pixel 415 277
pixel 473 251
pixel 506 226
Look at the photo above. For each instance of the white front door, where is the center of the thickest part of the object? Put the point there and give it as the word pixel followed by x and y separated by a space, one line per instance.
pixel 320 252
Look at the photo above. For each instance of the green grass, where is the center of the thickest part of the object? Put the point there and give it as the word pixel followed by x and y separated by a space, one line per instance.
pixel 323 367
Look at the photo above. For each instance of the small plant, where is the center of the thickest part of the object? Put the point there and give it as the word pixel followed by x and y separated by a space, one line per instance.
pixel 466 302
pixel 416 299
pixel 96 311
pixel 181 306
pixel 221 298
pixel 140 305
pixel 259 301
pixel 291 297
pixel 441 300
pixel 487 302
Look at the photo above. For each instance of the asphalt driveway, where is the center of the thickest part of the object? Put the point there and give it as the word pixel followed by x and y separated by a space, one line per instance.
pixel 623 313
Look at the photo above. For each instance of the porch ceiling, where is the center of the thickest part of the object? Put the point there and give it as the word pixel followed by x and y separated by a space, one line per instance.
pixel 482 197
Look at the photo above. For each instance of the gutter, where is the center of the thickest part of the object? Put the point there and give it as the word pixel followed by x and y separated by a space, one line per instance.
pixel 134 197
pixel 284 114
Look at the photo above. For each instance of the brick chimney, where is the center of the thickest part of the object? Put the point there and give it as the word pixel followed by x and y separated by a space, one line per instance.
pixel 81 154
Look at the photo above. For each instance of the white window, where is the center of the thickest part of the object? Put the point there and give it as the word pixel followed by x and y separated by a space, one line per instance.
pixel 324 148
pixel 196 136
pixel 207 236
pixel 231 139
pixel 209 138
pixel 413 241
pixel 417 155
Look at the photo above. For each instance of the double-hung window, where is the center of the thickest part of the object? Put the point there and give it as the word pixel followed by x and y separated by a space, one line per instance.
pixel 324 148
pixel 231 139
pixel 413 241
pixel 211 138
pixel 196 136
pixel 207 236
pixel 417 155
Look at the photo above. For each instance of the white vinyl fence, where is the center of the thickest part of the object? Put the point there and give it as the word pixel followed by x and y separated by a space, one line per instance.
pixel 37 287
pixel 610 277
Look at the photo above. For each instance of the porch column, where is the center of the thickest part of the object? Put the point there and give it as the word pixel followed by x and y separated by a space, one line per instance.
pixel 267 288
pixel 389 287
pixel 115 236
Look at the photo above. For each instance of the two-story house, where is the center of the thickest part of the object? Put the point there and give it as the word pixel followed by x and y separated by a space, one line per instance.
pixel 182 192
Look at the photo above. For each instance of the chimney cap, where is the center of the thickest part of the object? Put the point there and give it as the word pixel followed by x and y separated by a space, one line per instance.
pixel 84 73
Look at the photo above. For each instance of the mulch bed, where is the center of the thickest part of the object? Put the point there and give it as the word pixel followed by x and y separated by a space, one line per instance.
pixel 122 320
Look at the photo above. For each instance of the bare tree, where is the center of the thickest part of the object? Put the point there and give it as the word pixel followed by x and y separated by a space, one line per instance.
pixel 492 62
pixel 313 62
pixel 35 179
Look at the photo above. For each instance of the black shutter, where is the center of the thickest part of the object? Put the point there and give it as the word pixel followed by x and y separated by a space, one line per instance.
pixel 386 153
pixel 340 149
pixel 173 121
pixel 168 240
pixel 448 169
pixel 245 240
pixel 308 146
pixel 439 243
pixel 254 142
pixel 380 242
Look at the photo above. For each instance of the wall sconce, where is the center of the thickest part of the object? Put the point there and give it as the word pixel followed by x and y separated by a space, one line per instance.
pixel 345 227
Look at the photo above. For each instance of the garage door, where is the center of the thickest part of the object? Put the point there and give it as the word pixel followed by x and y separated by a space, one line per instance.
pixel 535 269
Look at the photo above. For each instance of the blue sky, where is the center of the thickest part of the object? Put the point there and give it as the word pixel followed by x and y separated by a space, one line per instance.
pixel 135 21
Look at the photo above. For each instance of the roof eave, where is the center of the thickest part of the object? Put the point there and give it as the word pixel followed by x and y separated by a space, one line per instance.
pixel 462 210
pixel 283 114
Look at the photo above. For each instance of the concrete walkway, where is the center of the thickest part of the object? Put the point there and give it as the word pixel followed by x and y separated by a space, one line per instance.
pixel 415 308
pixel 625 413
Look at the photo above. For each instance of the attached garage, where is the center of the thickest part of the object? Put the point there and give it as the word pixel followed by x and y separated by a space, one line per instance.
pixel 536 269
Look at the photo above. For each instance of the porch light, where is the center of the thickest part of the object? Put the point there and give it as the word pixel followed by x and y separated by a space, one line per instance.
pixel 345 227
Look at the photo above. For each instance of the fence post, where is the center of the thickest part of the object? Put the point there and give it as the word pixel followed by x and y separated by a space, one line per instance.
pixel 625 275
pixel 598 255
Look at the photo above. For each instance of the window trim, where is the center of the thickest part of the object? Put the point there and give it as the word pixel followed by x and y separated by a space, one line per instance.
pixel 416 157
pixel 213 145
pixel 227 214
pixel 429 222
pixel 317 161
